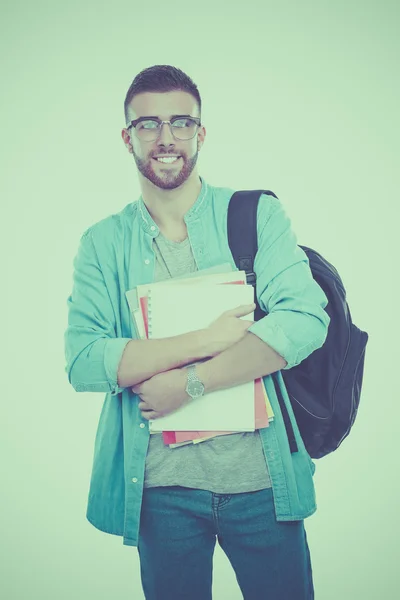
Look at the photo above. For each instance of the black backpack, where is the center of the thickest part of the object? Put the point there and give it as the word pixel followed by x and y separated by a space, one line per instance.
pixel 324 389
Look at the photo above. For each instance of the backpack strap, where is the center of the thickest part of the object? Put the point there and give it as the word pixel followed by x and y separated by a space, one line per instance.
pixel 242 234
pixel 243 243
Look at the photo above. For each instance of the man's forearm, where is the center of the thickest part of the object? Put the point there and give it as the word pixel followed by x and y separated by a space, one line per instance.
pixel 144 358
pixel 245 361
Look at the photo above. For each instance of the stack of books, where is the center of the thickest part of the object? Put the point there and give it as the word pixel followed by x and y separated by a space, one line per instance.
pixel 180 305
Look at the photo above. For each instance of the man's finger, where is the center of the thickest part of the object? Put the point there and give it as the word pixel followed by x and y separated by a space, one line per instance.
pixel 149 414
pixel 241 311
pixel 144 406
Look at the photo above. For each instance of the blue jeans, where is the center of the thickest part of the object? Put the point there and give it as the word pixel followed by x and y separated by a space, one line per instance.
pixel 178 531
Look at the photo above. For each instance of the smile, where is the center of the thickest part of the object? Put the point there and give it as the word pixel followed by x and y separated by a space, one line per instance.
pixel 167 160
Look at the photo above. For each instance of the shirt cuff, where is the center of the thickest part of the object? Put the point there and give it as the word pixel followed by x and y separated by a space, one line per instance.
pixel 273 335
pixel 113 352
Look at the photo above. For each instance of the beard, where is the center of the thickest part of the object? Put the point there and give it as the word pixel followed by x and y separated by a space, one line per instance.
pixel 170 178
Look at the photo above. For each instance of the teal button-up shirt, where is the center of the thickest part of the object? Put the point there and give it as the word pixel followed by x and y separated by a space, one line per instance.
pixel 114 256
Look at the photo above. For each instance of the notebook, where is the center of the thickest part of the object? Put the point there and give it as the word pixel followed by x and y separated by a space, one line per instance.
pixel 132 295
pixel 263 415
pixel 177 309
pixel 217 278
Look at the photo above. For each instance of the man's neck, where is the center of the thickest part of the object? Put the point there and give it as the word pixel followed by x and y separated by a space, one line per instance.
pixel 168 207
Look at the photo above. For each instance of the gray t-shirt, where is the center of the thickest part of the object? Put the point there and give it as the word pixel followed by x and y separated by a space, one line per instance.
pixel 225 464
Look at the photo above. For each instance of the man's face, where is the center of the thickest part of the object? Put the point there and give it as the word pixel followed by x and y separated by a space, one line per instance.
pixel 164 106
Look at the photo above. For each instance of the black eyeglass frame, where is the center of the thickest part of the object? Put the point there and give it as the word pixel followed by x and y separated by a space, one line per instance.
pixel 197 120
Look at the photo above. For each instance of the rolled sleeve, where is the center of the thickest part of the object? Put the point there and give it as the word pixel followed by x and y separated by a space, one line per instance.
pixel 296 323
pixel 113 352
pixel 92 349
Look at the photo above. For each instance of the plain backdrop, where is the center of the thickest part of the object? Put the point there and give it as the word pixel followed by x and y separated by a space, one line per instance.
pixel 298 97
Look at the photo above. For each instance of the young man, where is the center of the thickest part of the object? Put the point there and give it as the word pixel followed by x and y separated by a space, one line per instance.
pixel 248 490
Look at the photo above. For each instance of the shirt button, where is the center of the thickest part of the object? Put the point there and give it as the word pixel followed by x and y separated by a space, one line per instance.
pixel 134 479
pixel 147 262
pixel 142 425
pixel 152 228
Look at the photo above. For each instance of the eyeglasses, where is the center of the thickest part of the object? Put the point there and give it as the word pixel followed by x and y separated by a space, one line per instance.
pixel 183 127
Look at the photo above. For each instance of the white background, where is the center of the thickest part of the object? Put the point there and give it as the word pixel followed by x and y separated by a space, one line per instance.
pixel 298 97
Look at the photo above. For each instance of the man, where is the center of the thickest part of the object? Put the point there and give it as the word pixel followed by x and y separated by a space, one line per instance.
pixel 248 490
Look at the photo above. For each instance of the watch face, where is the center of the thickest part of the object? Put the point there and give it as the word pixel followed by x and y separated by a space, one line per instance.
pixel 195 388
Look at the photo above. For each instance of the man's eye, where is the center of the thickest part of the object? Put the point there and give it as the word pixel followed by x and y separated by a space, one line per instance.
pixel 148 125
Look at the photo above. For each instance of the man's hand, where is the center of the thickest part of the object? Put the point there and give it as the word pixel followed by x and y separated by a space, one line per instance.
pixel 228 329
pixel 162 394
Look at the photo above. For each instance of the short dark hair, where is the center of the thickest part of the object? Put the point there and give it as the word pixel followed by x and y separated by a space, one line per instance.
pixel 161 78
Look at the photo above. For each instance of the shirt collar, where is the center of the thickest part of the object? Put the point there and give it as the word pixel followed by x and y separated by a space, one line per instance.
pixel 192 214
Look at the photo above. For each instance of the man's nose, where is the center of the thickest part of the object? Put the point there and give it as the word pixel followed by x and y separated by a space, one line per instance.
pixel 165 138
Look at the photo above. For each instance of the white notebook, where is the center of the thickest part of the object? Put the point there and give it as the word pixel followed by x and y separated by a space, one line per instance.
pixel 179 309
pixel 217 274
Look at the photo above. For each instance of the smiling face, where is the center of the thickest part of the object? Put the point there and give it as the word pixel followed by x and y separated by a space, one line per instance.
pixel 171 175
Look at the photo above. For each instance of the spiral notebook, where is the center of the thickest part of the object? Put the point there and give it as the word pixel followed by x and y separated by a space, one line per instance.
pixel 217 278
pixel 217 274
pixel 178 309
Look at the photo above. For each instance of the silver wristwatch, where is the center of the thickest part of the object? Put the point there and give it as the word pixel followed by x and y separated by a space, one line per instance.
pixel 194 387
